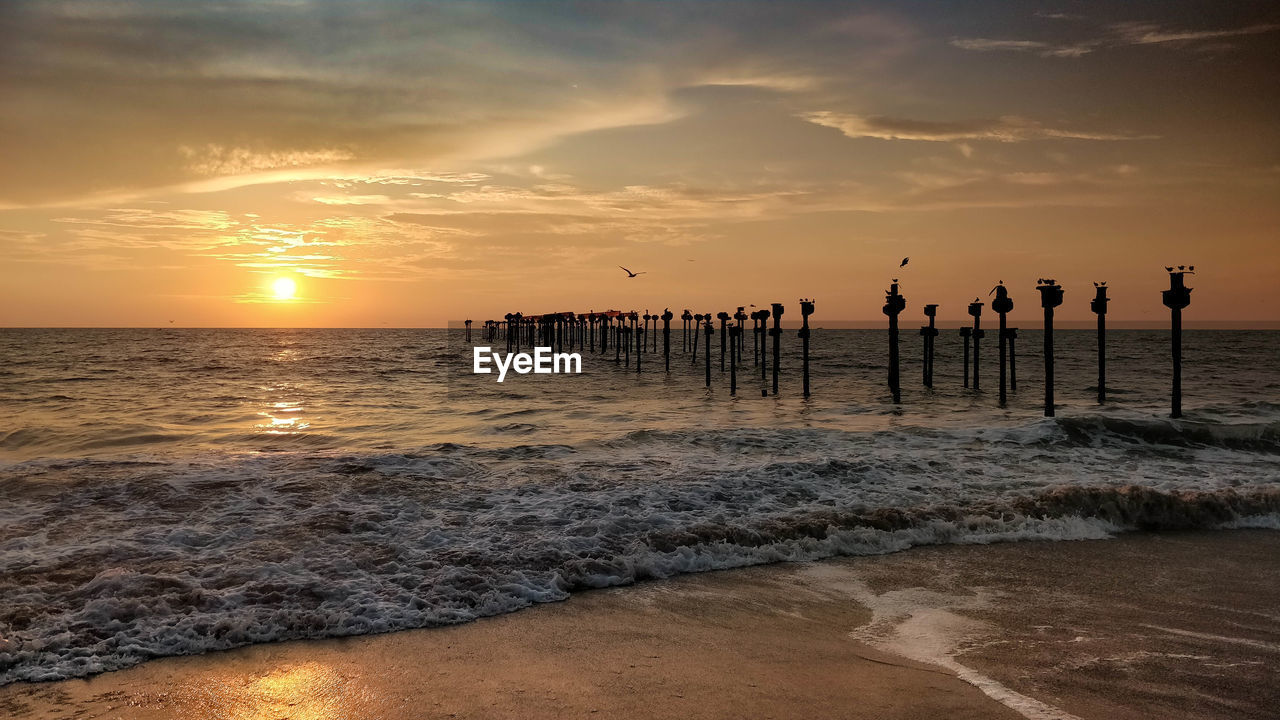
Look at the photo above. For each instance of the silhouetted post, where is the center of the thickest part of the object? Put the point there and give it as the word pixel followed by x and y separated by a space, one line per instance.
pixel 1099 306
pixel 929 333
pixel 1003 305
pixel 966 333
pixel 735 332
pixel 1013 358
pixel 686 316
pixel 508 316
pixel 756 333
pixel 776 332
pixel 975 309
pixel 806 309
pixel 894 303
pixel 640 337
pixel 604 333
pixel 647 317
pixel 468 324
pixel 1050 298
pixel 697 327
pixel 708 331
pixel 1177 297
pixel 723 317
pixel 740 317
pixel 764 356
pixel 666 337
pixel 618 324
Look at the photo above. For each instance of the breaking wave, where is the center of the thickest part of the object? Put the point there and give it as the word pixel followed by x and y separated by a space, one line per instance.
pixel 107 563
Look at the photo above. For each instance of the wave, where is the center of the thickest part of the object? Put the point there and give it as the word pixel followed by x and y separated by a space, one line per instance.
pixel 113 605
pixel 1091 429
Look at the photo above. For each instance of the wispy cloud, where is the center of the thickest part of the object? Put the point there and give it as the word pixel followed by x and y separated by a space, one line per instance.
pixel 1115 35
pixel 1009 128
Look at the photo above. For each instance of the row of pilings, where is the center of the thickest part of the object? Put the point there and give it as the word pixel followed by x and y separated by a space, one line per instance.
pixel 630 335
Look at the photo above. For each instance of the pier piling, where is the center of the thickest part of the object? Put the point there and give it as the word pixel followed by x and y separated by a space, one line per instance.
pixel 708 331
pixel 776 332
pixel 1050 298
pixel 894 303
pixel 806 309
pixel 1003 304
pixel 666 338
pixel 929 333
pixel 975 309
pixel 1177 297
pixel 1099 306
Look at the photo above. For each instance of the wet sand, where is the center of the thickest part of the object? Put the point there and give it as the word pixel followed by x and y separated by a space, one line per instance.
pixel 1144 626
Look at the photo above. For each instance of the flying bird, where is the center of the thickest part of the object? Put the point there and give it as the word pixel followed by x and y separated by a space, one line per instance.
pixel 632 274
pixel 904 262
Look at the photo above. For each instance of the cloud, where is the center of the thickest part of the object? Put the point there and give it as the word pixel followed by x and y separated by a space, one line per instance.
pixel 1009 128
pixel 1115 35
pixel 215 159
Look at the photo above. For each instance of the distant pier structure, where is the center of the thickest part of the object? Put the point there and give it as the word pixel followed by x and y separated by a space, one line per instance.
pixel 629 333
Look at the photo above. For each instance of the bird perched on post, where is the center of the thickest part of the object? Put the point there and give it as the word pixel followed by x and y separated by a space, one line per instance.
pixel 631 274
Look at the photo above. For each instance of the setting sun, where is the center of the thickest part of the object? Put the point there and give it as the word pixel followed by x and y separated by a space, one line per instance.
pixel 284 288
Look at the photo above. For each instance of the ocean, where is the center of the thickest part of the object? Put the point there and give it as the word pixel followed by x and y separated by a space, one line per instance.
pixel 173 491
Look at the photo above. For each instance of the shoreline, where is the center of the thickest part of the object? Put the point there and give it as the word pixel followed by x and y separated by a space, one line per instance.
pixel 1142 625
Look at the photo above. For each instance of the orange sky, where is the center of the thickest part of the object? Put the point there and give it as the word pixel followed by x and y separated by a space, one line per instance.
pixel 411 164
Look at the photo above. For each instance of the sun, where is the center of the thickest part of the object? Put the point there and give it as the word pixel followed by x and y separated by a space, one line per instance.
pixel 284 288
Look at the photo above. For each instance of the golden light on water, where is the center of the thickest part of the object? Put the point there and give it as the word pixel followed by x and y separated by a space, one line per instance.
pixel 284 288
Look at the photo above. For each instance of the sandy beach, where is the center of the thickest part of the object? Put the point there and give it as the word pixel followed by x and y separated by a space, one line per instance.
pixel 1169 626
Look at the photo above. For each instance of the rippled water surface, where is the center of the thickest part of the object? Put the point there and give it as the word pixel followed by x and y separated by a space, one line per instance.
pixel 173 491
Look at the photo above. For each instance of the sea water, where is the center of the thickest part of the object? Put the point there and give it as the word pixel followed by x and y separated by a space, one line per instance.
pixel 169 492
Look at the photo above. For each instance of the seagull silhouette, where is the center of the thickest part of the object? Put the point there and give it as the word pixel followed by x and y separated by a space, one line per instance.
pixel 904 262
pixel 1168 268
pixel 632 274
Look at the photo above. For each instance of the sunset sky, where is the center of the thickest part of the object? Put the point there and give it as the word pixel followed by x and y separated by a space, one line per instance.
pixel 408 164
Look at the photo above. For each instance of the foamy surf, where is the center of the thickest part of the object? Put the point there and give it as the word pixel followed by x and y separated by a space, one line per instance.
pixel 109 563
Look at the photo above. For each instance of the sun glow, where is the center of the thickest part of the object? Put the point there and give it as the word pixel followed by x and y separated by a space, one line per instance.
pixel 284 288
